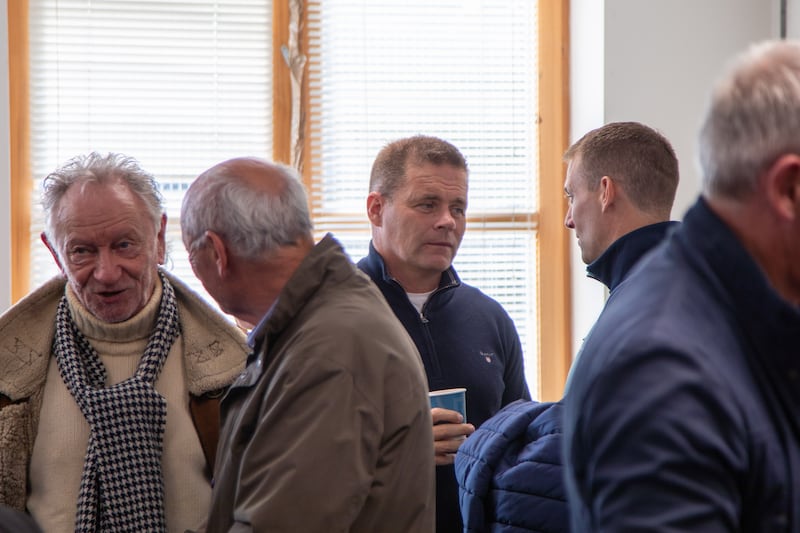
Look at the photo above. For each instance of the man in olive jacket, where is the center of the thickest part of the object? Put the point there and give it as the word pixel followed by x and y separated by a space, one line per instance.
pixel 329 427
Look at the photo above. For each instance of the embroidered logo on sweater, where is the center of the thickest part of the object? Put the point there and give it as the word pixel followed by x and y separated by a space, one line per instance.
pixel 489 356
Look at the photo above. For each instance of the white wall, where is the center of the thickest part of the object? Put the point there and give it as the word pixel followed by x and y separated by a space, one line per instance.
pixel 654 61
pixel 587 111
pixel 792 19
pixel 5 181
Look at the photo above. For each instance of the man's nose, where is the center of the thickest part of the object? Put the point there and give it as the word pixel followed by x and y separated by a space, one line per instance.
pixel 107 267
pixel 446 220
pixel 568 219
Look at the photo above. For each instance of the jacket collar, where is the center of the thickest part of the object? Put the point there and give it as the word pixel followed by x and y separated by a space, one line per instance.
pixel 614 264
pixel 326 260
pixel 724 261
pixel 213 348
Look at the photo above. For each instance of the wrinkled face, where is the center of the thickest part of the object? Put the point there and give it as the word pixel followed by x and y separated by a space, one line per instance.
pixel 418 230
pixel 584 213
pixel 108 249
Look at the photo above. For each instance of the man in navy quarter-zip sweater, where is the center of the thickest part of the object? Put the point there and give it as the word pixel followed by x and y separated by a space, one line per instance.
pixel 417 205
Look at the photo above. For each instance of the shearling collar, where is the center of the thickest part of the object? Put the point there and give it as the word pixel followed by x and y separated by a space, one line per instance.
pixel 213 348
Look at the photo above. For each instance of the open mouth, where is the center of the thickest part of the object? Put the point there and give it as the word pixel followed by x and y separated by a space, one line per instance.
pixel 110 294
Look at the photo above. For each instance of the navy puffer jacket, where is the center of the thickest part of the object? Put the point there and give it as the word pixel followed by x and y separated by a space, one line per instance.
pixel 510 471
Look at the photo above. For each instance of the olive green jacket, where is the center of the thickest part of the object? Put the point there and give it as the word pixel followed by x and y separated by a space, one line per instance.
pixel 329 427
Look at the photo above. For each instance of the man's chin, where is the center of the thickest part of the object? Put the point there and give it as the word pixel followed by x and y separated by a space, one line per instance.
pixel 112 314
pixel 439 264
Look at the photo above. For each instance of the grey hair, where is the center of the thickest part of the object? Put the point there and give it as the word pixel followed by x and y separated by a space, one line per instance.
pixel 753 117
pixel 252 221
pixel 101 169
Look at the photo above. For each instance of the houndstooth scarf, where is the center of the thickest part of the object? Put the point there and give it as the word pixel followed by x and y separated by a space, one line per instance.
pixel 121 487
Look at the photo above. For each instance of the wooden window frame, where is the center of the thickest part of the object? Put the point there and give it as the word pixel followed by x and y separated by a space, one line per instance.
pixel 554 310
pixel 19 120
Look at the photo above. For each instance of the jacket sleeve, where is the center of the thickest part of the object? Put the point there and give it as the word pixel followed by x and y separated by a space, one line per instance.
pixel 652 445
pixel 510 471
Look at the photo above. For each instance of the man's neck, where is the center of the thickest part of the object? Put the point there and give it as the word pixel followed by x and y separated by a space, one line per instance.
pixel 415 281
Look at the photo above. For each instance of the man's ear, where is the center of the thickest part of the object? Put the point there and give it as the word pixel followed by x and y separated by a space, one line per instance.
pixel 608 192
pixel 53 252
pixel 782 183
pixel 219 253
pixel 375 204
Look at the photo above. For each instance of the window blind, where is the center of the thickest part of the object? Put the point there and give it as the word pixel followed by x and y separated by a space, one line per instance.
pixel 180 85
pixel 463 70
pixel 184 84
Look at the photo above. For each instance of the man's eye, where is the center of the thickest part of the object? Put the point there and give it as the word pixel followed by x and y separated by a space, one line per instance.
pixel 79 255
pixel 127 248
pixel 459 211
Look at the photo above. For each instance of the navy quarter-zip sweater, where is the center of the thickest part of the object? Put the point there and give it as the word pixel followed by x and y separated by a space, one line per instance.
pixel 466 339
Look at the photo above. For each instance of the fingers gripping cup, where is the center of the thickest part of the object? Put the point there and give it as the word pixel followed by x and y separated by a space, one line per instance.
pixel 453 399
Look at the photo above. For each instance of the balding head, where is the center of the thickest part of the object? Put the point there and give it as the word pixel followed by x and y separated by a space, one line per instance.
pixel 252 172
pixel 257 206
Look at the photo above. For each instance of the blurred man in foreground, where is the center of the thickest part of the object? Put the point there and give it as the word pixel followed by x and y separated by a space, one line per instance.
pixel 683 414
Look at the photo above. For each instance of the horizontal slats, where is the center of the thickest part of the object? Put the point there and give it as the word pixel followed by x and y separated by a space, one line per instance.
pixel 179 85
pixel 462 70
